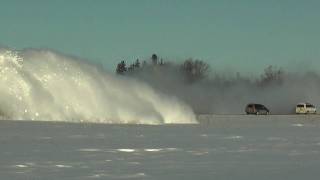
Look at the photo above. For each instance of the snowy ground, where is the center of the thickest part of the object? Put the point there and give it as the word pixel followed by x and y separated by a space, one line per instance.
pixel 224 147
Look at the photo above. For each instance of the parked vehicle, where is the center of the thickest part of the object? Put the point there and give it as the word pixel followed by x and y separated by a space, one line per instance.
pixel 305 108
pixel 256 109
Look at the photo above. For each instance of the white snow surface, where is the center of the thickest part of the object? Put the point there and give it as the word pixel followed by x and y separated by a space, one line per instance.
pixel 220 147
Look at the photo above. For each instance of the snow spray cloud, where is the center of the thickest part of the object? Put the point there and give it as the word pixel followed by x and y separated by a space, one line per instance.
pixel 219 93
pixel 44 85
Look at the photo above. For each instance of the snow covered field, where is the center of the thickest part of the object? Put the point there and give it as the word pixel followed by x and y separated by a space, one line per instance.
pixel 220 147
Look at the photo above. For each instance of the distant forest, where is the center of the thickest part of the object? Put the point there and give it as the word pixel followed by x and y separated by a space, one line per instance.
pixel 191 70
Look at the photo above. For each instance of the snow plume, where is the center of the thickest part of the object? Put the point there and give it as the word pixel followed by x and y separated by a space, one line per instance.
pixel 44 85
pixel 229 93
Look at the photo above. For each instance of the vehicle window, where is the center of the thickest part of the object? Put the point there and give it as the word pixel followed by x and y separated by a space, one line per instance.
pixel 259 106
pixel 300 105
pixel 309 106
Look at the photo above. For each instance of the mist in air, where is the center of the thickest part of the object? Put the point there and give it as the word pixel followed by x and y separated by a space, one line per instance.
pixel 209 92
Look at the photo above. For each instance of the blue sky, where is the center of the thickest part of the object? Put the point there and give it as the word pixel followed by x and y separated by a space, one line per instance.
pixel 245 35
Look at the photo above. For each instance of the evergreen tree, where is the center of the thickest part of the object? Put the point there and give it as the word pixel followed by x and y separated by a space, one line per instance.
pixel 154 59
pixel 121 68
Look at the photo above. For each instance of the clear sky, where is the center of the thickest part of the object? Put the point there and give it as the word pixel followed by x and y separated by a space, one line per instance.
pixel 241 34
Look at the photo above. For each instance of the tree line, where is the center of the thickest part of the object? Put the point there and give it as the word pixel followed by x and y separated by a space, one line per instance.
pixel 194 70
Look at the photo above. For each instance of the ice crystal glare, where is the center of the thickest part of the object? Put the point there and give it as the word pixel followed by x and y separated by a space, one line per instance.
pixel 44 85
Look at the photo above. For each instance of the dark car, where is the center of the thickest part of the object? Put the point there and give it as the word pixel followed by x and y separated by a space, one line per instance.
pixel 256 109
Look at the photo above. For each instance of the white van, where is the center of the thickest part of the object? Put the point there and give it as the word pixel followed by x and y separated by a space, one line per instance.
pixel 305 108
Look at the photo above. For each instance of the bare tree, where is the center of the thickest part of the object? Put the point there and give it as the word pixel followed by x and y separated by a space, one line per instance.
pixel 137 64
pixel 271 75
pixel 195 70
pixel 131 68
